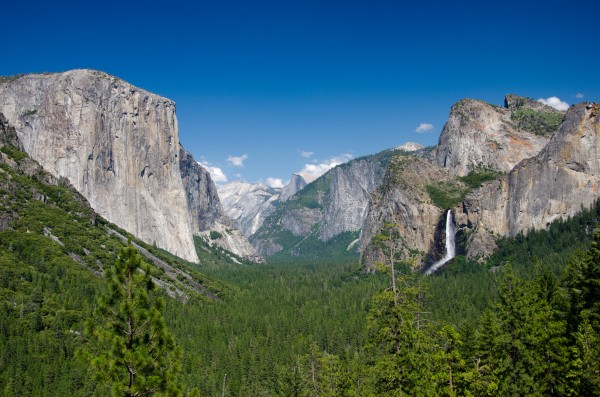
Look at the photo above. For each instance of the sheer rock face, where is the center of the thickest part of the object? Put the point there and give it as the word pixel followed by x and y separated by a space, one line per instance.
pixel 478 135
pixel 349 196
pixel 296 183
pixel 202 197
pixel 555 184
pixel 402 200
pixel 248 204
pixel 116 144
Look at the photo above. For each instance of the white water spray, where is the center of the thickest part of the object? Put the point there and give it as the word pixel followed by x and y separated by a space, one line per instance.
pixel 450 246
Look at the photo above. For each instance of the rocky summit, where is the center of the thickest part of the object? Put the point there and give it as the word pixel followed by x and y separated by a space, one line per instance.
pixel 478 135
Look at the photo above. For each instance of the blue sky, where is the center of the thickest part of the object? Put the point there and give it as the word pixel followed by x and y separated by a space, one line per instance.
pixel 259 84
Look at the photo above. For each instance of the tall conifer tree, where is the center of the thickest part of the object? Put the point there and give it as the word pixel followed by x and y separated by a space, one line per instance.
pixel 136 355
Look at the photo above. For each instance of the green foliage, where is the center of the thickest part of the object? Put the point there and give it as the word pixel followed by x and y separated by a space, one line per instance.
pixel 539 122
pixel 30 112
pixel 446 195
pixel 402 340
pixel 214 235
pixel 261 336
pixel 52 250
pixel 463 289
pixel 452 193
pixel 304 329
pixel 311 248
pixel 582 283
pixel 476 178
pixel 5 79
pixel 135 355
pixel 13 153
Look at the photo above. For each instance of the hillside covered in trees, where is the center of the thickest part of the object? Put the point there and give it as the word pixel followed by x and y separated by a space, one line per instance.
pixel 526 322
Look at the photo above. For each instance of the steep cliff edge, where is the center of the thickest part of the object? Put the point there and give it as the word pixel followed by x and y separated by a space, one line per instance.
pixel 555 184
pixel 482 136
pixel 202 197
pixel 206 211
pixel 118 145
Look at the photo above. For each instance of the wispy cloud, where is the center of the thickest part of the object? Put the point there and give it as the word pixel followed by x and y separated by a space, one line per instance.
pixel 217 174
pixel 310 172
pixel 554 102
pixel 276 183
pixel 237 161
pixel 306 154
pixel 579 95
pixel 424 127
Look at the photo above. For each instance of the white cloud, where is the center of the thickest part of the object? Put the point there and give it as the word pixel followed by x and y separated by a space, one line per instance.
pixel 217 174
pixel 424 127
pixel 276 183
pixel 306 154
pixel 310 172
pixel 554 102
pixel 237 161
pixel 579 95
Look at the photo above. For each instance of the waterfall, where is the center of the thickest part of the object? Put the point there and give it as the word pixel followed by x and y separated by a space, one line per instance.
pixel 450 246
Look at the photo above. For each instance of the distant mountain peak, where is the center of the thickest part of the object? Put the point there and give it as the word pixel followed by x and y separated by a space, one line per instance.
pixel 410 147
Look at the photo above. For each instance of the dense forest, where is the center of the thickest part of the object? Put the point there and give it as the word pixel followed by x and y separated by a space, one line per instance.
pixel 526 322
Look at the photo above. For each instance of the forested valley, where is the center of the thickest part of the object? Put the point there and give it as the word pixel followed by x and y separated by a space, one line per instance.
pixel 526 322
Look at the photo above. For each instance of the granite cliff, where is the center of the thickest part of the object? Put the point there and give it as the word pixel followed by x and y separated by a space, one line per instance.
pixel 296 183
pixel 403 202
pixel 118 145
pixel 478 135
pixel 539 165
pixel 555 184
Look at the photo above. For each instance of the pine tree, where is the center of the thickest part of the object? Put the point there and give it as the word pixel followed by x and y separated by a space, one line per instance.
pixel 134 354
pixel 484 359
pixel 450 365
pixel 401 340
pixel 583 288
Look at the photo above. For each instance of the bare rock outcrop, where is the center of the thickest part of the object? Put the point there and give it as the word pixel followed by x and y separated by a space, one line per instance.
pixel 349 195
pixel 296 183
pixel 478 135
pixel 203 199
pixel 335 203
